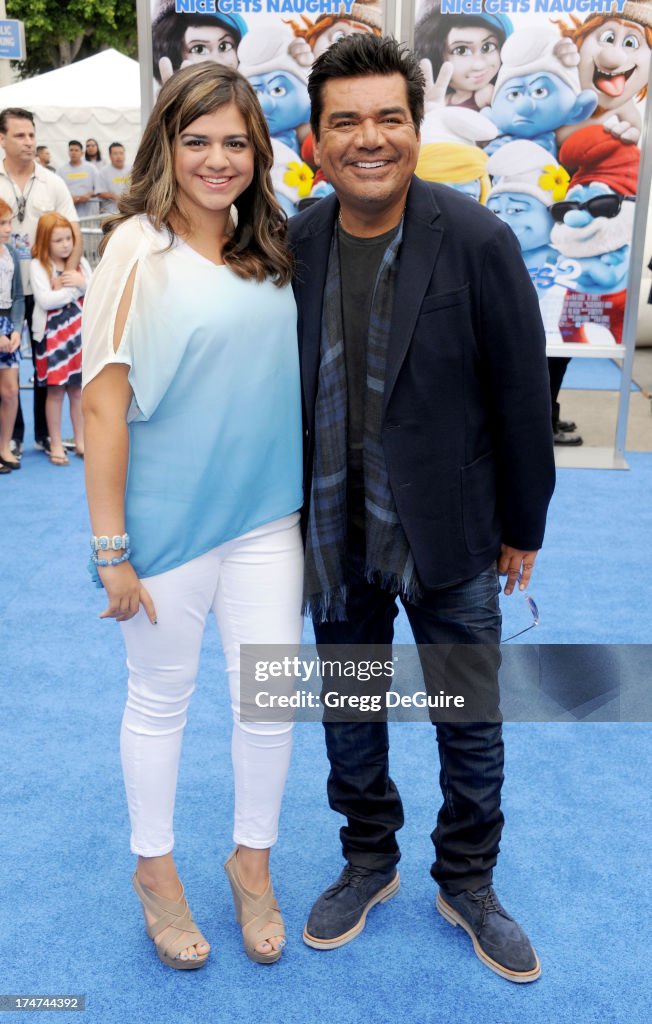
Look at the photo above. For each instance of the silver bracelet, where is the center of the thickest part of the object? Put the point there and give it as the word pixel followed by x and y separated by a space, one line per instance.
pixel 115 543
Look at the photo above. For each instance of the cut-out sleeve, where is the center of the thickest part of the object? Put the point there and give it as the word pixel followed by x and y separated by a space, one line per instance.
pixel 148 346
pixel 126 247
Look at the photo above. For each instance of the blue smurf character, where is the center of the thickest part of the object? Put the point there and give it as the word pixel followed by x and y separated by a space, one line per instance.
pixel 526 183
pixel 279 81
pixel 537 90
pixel 593 231
pixel 280 84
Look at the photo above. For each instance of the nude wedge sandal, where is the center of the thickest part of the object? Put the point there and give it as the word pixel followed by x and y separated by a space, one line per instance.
pixel 175 916
pixel 258 916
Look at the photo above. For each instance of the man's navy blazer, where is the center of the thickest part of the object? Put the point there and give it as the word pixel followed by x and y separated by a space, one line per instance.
pixel 466 425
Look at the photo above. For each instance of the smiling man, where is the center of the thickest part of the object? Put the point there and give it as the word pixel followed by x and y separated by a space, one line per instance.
pixel 428 470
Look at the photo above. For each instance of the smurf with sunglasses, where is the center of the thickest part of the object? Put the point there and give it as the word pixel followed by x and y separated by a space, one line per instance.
pixel 526 185
pixel 593 231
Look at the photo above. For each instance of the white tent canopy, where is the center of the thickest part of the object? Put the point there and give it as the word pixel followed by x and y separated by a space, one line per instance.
pixel 98 98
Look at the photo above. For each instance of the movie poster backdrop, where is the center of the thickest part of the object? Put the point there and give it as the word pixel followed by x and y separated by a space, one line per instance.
pixel 536 111
pixel 273 43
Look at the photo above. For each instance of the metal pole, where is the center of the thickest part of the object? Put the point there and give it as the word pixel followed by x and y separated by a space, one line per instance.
pixel 144 13
pixel 637 255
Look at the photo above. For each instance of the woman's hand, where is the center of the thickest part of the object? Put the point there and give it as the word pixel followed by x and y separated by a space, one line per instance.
pixel 125 593
pixel 5 343
pixel 14 341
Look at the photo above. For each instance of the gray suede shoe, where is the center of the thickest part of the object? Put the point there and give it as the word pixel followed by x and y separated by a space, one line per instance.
pixel 341 911
pixel 498 940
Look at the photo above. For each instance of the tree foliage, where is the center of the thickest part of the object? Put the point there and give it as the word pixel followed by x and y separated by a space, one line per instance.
pixel 58 32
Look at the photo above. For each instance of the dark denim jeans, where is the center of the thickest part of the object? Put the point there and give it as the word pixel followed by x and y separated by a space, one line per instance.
pixel 40 393
pixel 470 821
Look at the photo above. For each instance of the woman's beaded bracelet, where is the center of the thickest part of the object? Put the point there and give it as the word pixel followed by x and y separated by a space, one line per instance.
pixel 102 562
pixel 119 542
pixel 111 561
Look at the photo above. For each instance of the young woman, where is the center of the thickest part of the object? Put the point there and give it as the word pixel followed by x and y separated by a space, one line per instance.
pixel 56 327
pixel 12 312
pixel 191 382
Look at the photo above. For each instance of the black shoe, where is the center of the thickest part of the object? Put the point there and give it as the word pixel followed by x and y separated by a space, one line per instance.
pixel 566 426
pixel 16 448
pixel 341 911
pixel 498 940
pixel 9 463
pixel 42 444
pixel 560 437
pixel 4 471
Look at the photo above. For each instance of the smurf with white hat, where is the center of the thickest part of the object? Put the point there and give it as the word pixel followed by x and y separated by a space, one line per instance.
pixel 536 92
pixel 279 81
pixel 526 182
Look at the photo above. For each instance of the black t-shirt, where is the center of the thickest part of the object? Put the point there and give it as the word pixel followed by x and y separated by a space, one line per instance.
pixel 360 259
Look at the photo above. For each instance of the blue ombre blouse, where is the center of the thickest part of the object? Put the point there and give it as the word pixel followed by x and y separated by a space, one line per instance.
pixel 215 421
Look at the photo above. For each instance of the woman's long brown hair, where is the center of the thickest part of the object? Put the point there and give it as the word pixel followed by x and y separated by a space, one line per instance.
pixel 257 248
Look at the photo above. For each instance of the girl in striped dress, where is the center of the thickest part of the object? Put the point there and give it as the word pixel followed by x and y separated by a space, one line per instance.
pixel 56 327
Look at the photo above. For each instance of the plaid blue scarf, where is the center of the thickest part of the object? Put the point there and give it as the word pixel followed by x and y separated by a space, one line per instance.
pixel 389 561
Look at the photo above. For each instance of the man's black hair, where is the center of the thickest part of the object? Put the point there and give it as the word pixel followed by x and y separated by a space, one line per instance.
pixel 364 54
pixel 76 142
pixel 115 145
pixel 18 112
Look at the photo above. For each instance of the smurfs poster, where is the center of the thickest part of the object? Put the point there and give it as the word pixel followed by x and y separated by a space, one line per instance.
pixel 536 109
pixel 273 43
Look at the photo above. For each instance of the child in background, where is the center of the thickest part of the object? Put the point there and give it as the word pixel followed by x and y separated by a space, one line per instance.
pixel 12 313
pixel 56 327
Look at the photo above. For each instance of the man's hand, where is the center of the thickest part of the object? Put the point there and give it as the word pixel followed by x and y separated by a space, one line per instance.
pixel 514 564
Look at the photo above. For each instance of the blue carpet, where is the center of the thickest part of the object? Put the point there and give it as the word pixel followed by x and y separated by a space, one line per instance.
pixel 575 866
pixel 594 375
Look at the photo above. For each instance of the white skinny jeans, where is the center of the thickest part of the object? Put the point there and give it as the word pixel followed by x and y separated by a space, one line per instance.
pixel 253 586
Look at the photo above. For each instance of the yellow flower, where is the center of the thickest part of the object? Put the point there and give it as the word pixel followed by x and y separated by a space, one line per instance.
pixel 555 179
pixel 299 176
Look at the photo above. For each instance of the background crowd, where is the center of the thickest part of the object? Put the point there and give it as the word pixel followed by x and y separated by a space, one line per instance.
pixel 43 277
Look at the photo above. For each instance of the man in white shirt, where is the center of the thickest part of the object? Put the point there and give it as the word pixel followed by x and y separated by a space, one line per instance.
pixel 79 176
pixel 112 180
pixel 43 157
pixel 31 190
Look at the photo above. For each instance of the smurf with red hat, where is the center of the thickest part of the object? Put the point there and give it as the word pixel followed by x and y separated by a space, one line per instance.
pixel 593 230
